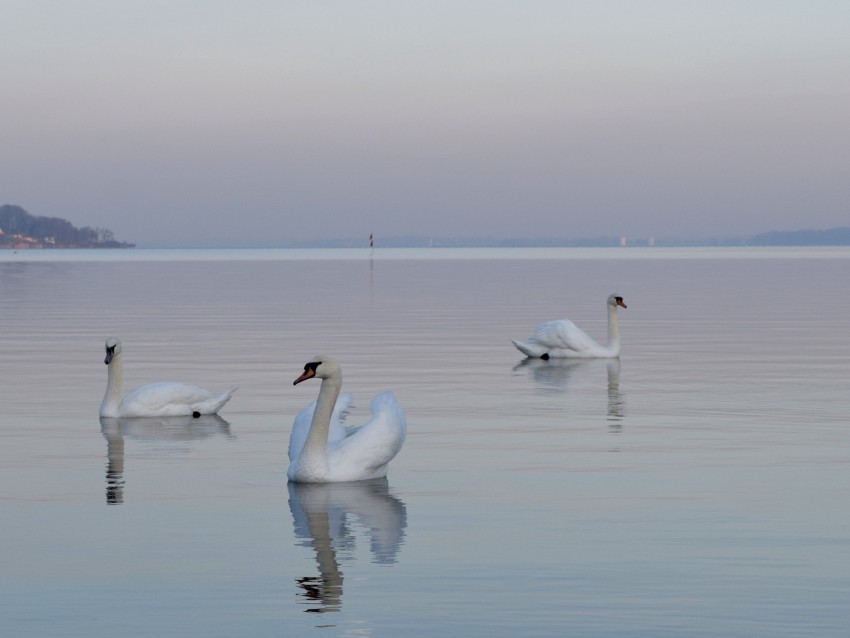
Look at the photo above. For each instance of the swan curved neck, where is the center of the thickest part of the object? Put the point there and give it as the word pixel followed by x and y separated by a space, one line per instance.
pixel 613 330
pixel 114 387
pixel 317 438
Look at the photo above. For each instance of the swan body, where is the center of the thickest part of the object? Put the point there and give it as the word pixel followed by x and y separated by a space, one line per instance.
pixel 563 339
pixel 163 399
pixel 329 452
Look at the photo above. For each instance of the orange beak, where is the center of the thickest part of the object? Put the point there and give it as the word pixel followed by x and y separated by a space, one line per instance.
pixel 309 373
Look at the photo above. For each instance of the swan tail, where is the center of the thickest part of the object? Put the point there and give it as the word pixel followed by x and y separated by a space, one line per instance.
pixel 529 349
pixel 218 402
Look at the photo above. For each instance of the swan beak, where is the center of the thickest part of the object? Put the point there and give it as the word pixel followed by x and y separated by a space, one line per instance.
pixel 109 353
pixel 620 302
pixel 309 373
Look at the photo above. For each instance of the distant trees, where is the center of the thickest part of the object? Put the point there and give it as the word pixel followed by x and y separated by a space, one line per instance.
pixel 14 220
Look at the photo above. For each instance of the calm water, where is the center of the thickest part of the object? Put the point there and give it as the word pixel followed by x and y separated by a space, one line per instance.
pixel 700 487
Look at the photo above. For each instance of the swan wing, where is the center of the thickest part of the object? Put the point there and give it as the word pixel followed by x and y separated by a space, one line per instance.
pixel 366 451
pixel 563 334
pixel 171 399
pixel 301 425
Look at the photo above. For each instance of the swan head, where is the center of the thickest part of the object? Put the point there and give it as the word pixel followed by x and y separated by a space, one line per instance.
pixel 616 300
pixel 320 367
pixel 113 348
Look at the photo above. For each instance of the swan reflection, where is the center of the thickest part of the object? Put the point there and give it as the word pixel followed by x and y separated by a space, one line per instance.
pixel 616 402
pixel 556 376
pixel 163 429
pixel 326 517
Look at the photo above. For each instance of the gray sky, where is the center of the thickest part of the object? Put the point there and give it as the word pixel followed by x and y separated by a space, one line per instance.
pixel 212 122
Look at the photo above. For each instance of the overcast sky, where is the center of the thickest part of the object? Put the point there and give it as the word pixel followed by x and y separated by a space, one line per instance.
pixel 256 122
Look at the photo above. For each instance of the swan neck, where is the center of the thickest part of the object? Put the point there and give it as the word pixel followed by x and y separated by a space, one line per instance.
pixel 317 438
pixel 613 329
pixel 114 386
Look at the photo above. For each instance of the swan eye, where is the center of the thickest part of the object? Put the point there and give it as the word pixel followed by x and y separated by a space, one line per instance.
pixel 309 372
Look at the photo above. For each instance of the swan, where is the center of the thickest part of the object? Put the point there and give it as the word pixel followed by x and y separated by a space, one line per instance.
pixel 155 399
pixel 336 431
pixel 330 452
pixel 562 338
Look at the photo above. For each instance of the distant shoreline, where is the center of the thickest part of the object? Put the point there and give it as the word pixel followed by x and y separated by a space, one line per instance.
pixel 366 255
pixel 789 240
pixel 46 247
pixel 20 230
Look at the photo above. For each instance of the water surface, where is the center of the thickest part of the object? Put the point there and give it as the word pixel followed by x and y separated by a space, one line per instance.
pixel 696 487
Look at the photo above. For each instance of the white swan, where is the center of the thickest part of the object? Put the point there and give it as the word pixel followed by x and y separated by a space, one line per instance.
pixel 332 453
pixel 336 431
pixel 562 338
pixel 155 399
